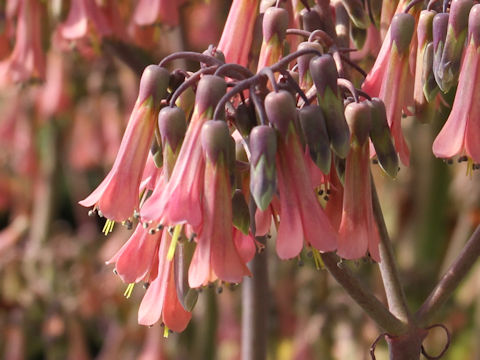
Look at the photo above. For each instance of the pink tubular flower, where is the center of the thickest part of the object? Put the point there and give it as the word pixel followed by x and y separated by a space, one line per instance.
pixel 237 33
pixel 148 12
pixel 389 78
pixel 216 254
pixel 301 216
pixel 461 133
pixel 160 300
pixel 134 261
pixel 181 199
pixel 27 59
pixel 358 232
pixel 275 23
pixel 117 196
pixel 83 13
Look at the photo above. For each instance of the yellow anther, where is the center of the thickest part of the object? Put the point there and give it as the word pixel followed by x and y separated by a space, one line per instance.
pixel 318 259
pixel 129 290
pixel 108 227
pixel 165 332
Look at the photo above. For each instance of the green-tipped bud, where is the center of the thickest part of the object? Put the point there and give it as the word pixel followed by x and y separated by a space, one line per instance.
pixel 315 133
pixel 356 12
pixel 359 121
pixel 154 83
pixel 245 119
pixel 358 36
pixel 263 176
pixel 401 31
pixel 452 52
pixel 440 25
pixel 325 75
pixel 216 141
pixel 425 27
pixel 183 257
pixel 210 90
pixel 311 20
pixel 382 139
pixel 281 110
pixel 430 87
pixel 172 125
pixel 240 212
pixel 156 151
pixel 275 22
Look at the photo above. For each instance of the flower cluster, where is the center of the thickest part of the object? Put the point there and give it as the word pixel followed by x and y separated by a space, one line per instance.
pixel 279 143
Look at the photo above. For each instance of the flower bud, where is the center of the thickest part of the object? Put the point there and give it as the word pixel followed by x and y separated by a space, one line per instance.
pixel 324 74
pixel 358 116
pixel 240 212
pixel 210 90
pixel 356 12
pixel 430 87
pixel 401 31
pixel 216 141
pixel 263 177
pixel 311 20
pixel 154 83
pixel 172 125
pixel 183 257
pixel 304 60
pixel 315 133
pixel 275 22
pixel 452 52
pixel 281 110
pixel 382 139
pixel 245 119
pixel 440 25
pixel 474 26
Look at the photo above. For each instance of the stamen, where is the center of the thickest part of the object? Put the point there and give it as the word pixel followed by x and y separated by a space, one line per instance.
pixel 318 259
pixel 129 290
pixel 470 165
pixel 166 332
pixel 173 244
pixel 91 213
pixel 108 227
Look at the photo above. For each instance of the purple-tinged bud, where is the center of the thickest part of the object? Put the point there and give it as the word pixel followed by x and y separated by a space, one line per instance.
pixel 304 60
pixel 356 12
pixel 359 121
pixel 263 175
pixel 440 25
pixel 240 212
pixel 474 25
pixel 154 83
pixel 425 27
pixel 245 119
pixel 325 75
pixel 449 67
pixel 210 90
pixel 281 110
pixel 401 31
pixel 382 139
pixel 315 133
pixel 172 125
pixel 216 141
pixel 275 22
pixel 311 20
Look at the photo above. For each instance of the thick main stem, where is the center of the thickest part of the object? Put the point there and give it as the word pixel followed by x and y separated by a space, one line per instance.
pixel 388 268
pixel 369 303
pixel 255 309
pixel 452 278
